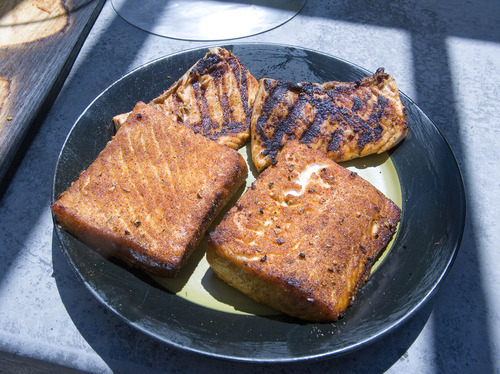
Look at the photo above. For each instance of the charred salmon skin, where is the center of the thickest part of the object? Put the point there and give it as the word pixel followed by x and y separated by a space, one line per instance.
pixel 304 237
pixel 152 193
pixel 214 97
pixel 344 120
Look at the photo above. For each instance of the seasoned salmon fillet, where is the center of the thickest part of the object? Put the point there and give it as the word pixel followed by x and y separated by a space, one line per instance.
pixel 304 237
pixel 214 97
pixel 344 120
pixel 152 193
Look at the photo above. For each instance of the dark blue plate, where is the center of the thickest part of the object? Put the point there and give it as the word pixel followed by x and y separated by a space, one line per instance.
pixel 427 241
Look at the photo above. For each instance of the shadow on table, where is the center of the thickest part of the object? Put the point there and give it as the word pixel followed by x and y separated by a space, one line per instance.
pixel 125 349
pixel 462 338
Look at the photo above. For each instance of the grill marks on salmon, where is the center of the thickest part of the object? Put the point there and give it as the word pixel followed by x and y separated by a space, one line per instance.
pixel 152 192
pixel 344 120
pixel 304 237
pixel 214 97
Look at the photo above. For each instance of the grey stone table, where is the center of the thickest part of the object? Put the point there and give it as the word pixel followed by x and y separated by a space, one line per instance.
pixel 445 55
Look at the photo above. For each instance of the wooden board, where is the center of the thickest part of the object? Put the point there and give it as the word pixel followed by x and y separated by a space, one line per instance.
pixel 39 41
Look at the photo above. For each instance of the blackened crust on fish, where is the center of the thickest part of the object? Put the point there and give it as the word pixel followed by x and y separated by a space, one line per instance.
pixel 242 81
pixel 285 127
pixel 214 98
pixel 357 104
pixel 218 66
pixel 206 64
pixel 343 119
pixel 335 141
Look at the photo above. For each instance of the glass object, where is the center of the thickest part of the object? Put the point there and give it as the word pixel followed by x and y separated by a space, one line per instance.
pixel 207 20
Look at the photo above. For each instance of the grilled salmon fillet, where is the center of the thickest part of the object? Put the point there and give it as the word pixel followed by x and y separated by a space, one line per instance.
pixel 345 120
pixel 303 238
pixel 151 193
pixel 214 97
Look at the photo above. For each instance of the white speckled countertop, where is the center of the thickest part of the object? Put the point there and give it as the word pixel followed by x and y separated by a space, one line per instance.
pixel 445 55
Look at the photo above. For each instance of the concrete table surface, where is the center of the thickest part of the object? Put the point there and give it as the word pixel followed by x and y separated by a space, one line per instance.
pixel 445 55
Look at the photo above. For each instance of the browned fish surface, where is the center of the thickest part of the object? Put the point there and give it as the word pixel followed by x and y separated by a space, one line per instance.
pixel 303 239
pixel 214 97
pixel 152 192
pixel 345 120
